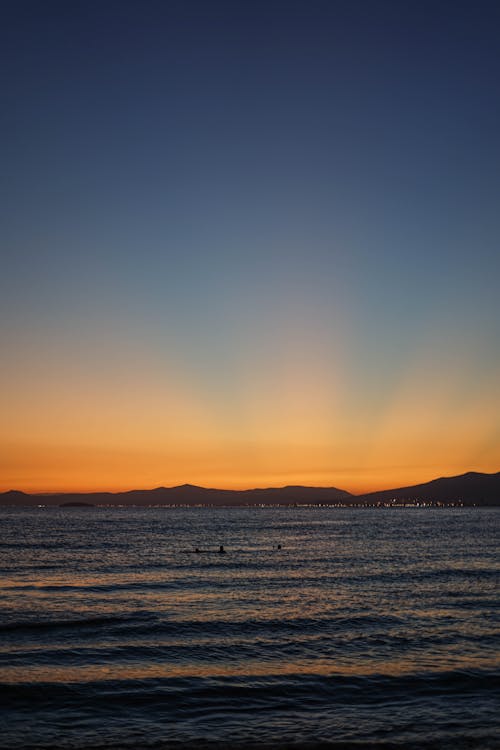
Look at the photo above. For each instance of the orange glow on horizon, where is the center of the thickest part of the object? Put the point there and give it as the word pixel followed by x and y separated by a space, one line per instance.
pixel 88 469
pixel 298 417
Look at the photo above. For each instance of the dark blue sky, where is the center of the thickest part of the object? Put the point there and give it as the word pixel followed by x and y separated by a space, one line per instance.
pixel 255 194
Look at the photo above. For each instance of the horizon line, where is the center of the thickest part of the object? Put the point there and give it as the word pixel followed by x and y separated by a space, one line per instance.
pixel 51 493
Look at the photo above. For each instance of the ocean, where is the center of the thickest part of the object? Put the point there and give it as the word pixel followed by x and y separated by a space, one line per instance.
pixel 368 628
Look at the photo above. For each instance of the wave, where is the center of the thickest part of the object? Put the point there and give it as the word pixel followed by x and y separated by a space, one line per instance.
pixel 76 623
pixel 485 742
pixel 149 624
pixel 390 630
pixel 299 690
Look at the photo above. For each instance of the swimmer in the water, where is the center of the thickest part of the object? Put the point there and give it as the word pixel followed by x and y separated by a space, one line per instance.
pixel 222 551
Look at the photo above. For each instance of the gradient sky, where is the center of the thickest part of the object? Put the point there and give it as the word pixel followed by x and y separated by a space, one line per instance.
pixel 249 243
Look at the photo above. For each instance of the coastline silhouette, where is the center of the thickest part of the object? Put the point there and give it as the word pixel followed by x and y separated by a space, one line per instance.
pixel 472 488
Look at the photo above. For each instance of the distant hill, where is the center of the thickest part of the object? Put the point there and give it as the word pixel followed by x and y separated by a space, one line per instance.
pixel 470 489
pixel 186 494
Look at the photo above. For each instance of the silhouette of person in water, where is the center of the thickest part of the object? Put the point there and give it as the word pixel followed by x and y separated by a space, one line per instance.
pixel 196 549
pixel 222 551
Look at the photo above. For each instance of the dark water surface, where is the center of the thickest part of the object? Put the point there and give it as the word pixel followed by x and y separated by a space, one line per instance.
pixel 369 628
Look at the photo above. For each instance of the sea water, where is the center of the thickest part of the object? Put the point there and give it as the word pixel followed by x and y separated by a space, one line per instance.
pixel 369 628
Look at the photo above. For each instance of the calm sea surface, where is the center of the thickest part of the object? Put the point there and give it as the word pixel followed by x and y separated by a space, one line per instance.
pixel 368 628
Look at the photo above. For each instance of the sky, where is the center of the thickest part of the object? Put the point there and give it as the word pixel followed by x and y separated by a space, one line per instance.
pixel 249 243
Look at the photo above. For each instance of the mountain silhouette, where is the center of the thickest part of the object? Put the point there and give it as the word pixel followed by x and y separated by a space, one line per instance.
pixel 186 494
pixel 472 488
